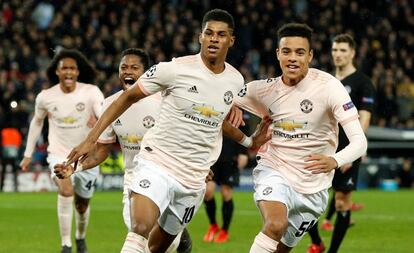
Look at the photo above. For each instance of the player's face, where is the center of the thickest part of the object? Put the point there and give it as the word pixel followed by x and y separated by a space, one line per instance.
pixel 130 69
pixel 216 39
pixel 294 56
pixel 67 72
pixel 342 54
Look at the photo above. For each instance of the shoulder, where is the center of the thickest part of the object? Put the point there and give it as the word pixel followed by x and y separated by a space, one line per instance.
pixel 89 87
pixel 363 78
pixel 51 91
pixel 322 76
pixel 185 60
pixel 113 97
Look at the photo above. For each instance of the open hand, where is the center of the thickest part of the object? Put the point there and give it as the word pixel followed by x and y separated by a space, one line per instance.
pixel 320 163
pixel 262 133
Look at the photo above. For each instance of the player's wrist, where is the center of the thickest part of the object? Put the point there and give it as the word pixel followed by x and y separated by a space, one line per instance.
pixel 247 141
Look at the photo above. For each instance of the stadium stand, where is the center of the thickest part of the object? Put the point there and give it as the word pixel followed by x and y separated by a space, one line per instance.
pixel 31 31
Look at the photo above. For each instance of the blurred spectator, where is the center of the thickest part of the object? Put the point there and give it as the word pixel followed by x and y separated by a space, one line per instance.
pixel 43 14
pixel 31 31
pixel 405 177
pixel 405 99
pixel 11 141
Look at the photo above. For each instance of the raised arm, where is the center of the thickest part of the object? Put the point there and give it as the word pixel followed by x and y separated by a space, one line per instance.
pixel 124 101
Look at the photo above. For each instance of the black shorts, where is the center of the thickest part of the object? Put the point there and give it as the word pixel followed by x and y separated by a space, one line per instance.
pixel 346 182
pixel 226 173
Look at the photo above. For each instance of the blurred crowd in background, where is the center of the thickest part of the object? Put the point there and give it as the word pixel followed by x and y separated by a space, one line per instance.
pixel 32 31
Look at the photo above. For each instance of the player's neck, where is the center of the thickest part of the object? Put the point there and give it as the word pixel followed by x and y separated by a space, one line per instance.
pixel 342 72
pixel 214 65
pixel 67 89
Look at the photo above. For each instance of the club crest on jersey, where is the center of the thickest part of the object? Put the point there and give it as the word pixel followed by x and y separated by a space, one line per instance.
pixel 148 121
pixel 306 106
pixel 151 71
pixel 267 190
pixel 348 106
pixel 80 106
pixel 144 183
pixel 228 97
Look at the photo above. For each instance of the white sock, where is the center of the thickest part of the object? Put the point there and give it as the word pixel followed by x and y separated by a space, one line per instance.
pixel 263 244
pixel 82 221
pixel 134 243
pixel 65 212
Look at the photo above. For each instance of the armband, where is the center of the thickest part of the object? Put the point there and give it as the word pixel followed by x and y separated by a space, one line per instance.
pixel 247 141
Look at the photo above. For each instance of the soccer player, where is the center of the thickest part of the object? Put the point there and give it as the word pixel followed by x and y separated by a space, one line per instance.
pixel 295 169
pixel 176 155
pixel 72 108
pixel 226 175
pixel 362 93
pixel 129 129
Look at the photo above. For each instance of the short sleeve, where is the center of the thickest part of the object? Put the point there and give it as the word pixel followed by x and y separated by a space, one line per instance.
pixel 40 109
pixel 340 102
pixel 159 77
pixel 248 100
pixel 97 101
pixel 367 96
pixel 108 135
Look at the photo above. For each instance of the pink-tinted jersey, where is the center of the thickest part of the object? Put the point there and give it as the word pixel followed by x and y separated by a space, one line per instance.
pixel 70 115
pixel 187 138
pixel 305 121
pixel 130 128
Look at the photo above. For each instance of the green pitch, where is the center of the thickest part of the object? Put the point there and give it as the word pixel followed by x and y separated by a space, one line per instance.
pixel 28 223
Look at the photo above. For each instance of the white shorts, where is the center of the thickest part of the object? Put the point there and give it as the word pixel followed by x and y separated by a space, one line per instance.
pixel 126 213
pixel 303 209
pixel 83 182
pixel 177 203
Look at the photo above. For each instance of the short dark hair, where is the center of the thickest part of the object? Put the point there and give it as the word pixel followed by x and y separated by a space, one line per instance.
pixel 218 15
pixel 345 38
pixel 87 72
pixel 295 30
pixel 144 57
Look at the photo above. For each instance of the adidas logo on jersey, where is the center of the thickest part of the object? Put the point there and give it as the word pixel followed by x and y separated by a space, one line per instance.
pixel 118 122
pixel 193 89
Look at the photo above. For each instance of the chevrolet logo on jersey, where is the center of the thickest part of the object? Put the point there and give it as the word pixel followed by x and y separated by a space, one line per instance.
pixel 206 111
pixel 67 120
pixel 204 114
pixel 290 125
pixel 131 138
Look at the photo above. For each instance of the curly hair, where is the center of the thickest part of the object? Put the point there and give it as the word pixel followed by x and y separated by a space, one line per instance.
pixel 140 53
pixel 87 72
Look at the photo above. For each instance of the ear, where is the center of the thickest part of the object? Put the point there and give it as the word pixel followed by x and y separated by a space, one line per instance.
pixel 352 53
pixel 310 55
pixel 200 37
pixel 277 53
pixel 232 39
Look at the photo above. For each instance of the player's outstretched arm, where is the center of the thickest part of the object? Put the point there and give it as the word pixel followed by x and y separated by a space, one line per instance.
pixel 35 130
pixel 258 138
pixel 96 156
pixel 123 102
